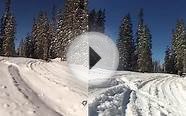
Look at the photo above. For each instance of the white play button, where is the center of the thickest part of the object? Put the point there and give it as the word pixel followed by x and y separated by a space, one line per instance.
pixel 93 55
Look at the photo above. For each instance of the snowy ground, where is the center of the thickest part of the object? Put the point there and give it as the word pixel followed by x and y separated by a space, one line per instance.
pixel 31 87
pixel 139 94
pixel 36 88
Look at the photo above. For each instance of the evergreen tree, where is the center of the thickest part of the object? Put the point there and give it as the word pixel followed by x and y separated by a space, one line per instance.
pixel 81 24
pixel 126 45
pixel 169 61
pixel 144 46
pixel 157 68
pixel 92 20
pixel 139 35
pixel 21 48
pixel 1 37
pixel 56 49
pixel 41 35
pixel 28 46
pixel 101 21
pixel 178 44
pixel 7 31
pixel 54 43
pixel 34 38
pixel 184 61
pixel 184 52
pixel 97 21
pixel 73 23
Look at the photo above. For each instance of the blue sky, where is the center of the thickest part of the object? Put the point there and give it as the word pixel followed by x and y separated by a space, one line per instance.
pixel 160 15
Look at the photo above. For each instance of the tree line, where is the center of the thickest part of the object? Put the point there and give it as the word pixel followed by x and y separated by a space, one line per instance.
pixel 51 36
pixel 135 51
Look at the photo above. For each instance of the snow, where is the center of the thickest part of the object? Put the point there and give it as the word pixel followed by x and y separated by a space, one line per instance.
pixel 139 94
pixel 44 89
pixel 30 87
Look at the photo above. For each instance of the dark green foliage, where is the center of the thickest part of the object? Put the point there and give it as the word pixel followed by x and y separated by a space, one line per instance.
pixel 96 21
pixel 179 46
pixel 7 32
pixel 125 45
pixel 73 22
pixel 170 61
pixel 143 46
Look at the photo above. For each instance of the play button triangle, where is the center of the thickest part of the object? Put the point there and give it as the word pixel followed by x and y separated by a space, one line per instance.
pixel 93 58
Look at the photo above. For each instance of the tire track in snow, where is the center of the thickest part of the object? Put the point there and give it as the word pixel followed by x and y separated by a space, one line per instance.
pixel 156 90
pixel 29 94
pixel 169 97
pixel 149 91
pixel 40 68
pixel 113 101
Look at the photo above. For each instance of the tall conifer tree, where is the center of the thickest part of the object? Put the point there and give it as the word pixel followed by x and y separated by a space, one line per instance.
pixel 125 45
pixel 144 46
pixel 7 31
pixel 97 21
pixel 54 42
pixel 178 44
pixel 73 23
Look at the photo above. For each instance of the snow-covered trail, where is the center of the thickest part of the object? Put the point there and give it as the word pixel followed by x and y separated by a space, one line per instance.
pixel 50 87
pixel 68 93
pixel 163 96
pixel 30 94
pixel 143 95
pixel 30 87
pixel 16 98
pixel 155 94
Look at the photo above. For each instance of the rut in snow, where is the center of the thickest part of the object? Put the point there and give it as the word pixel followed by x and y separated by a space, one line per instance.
pixel 30 94
pixel 112 102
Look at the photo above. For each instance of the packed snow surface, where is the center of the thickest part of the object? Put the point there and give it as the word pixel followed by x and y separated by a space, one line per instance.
pixel 139 94
pixel 30 87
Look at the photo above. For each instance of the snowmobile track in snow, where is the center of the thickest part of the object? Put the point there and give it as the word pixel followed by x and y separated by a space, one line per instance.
pixel 29 93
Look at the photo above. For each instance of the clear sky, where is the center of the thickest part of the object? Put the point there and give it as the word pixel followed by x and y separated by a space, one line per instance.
pixel 160 15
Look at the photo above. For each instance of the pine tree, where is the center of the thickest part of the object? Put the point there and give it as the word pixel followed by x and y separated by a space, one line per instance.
pixel 184 60
pixel 73 23
pixel 139 35
pixel 21 48
pixel 169 61
pixel 184 53
pixel 92 20
pixel 1 36
pixel 97 21
pixel 81 16
pixel 125 44
pixel 41 36
pixel 54 42
pixel 7 34
pixel 148 48
pixel 157 68
pixel 178 44
pixel 58 39
pixel 144 46
pixel 28 46
pixel 34 38
pixel 101 21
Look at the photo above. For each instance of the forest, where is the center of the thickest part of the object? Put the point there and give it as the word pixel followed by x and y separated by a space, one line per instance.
pixel 51 36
